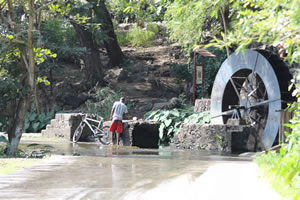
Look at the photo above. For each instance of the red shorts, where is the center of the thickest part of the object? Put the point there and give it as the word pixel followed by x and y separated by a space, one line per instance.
pixel 116 126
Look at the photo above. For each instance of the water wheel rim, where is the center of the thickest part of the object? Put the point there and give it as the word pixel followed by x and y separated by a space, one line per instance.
pixel 253 62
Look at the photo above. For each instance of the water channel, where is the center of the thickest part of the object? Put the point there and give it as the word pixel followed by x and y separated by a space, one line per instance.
pixel 95 171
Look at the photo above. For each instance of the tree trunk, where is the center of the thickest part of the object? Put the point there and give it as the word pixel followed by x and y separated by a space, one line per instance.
pixel 16 130
pixel 113 49
pixel 224 16
pixel 27 55
pixel 94 71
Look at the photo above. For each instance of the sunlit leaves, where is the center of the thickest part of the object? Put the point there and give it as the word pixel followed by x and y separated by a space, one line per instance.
pixel 43 80
pixel 192 22
pixel 170 121
pixel 10 37
pixel 63 9
pixel 42 54
pixel 128 10
pixel 272 22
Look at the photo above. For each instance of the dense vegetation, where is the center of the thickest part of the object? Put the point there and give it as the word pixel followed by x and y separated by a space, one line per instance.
pixel 170 121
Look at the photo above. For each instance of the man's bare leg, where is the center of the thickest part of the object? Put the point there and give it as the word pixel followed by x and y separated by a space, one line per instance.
pixel 117 134
pixel 112 138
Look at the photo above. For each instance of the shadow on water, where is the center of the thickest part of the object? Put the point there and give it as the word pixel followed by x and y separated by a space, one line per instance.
pixel 97 149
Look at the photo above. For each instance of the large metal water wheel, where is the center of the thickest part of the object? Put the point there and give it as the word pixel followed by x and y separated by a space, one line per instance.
pixel 249 89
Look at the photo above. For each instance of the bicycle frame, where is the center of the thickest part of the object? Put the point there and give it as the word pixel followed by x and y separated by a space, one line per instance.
pixel 99 124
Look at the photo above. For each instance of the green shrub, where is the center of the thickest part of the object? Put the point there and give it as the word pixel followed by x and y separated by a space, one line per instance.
pixel 123 38
pixel 104 99
pixel 141 38
pixel 153 28
pixel 170 121
pixel 137 36
pixel 181 71
pixel 283 168
pixel 34 123
pixel 3 145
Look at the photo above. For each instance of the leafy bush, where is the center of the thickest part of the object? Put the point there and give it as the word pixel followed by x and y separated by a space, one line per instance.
pixel 141 38
pixel 34 123
pixel 136 37
pixel 153 28
pixel 170 121
pixel 190 22
pixel 283 169
pixel 10 90
pixel 3 145
pixel 103 101
pixel 182 71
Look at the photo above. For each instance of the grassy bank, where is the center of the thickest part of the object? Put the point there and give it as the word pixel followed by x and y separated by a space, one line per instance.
pixel 281 172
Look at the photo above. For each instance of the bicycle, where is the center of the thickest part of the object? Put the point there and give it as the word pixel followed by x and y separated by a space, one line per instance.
pixel 96 128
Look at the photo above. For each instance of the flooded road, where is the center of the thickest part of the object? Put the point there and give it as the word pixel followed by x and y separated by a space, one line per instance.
pixel 111 172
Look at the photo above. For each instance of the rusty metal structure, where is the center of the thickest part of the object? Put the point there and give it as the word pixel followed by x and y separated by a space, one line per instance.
pixel 251 88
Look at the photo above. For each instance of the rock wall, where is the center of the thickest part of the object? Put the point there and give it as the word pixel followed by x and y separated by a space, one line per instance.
pixel 63 126
pixel 215 137
pixel 203 137
pixel 202 105
pixel 139 133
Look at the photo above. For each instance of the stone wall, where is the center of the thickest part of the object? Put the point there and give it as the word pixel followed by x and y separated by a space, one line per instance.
pixel 139 133
pixel 202 105
pixel 215 137
pixel 63 126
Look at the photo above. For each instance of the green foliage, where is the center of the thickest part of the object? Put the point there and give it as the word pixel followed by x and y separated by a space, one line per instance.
pixel 182 71
pixel 123 38
pixel 270 22
pixel 211 67
pixel 153 28
pixel 189 22
pixel 3 145
pixel 35 123
pixel 125 11
pixel 10 90
pixel 104 99
pixel 137 37
pixel 170 121
pixel 283 169
pixel 59 36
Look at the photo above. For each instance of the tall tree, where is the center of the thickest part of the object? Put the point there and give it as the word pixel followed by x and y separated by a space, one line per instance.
pixel 12 32
pixel 111 43
pixel 93 65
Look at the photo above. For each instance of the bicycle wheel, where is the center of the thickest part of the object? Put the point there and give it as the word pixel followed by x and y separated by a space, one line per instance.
pixel 78 132
pixel 104 135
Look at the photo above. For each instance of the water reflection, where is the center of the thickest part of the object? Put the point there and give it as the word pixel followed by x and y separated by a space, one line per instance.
pixel 96 149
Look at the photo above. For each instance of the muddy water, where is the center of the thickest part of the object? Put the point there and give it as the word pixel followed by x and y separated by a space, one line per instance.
pixel 111 172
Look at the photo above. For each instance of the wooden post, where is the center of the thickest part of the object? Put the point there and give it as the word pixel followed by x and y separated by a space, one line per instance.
pixel 203 64
pixel 194 79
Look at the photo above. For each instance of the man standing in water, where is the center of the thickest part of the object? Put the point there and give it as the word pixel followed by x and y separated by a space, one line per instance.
pixel 118 110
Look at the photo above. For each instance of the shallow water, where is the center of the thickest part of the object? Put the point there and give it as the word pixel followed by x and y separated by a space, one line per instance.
pixel 97 149
pixel 112 172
